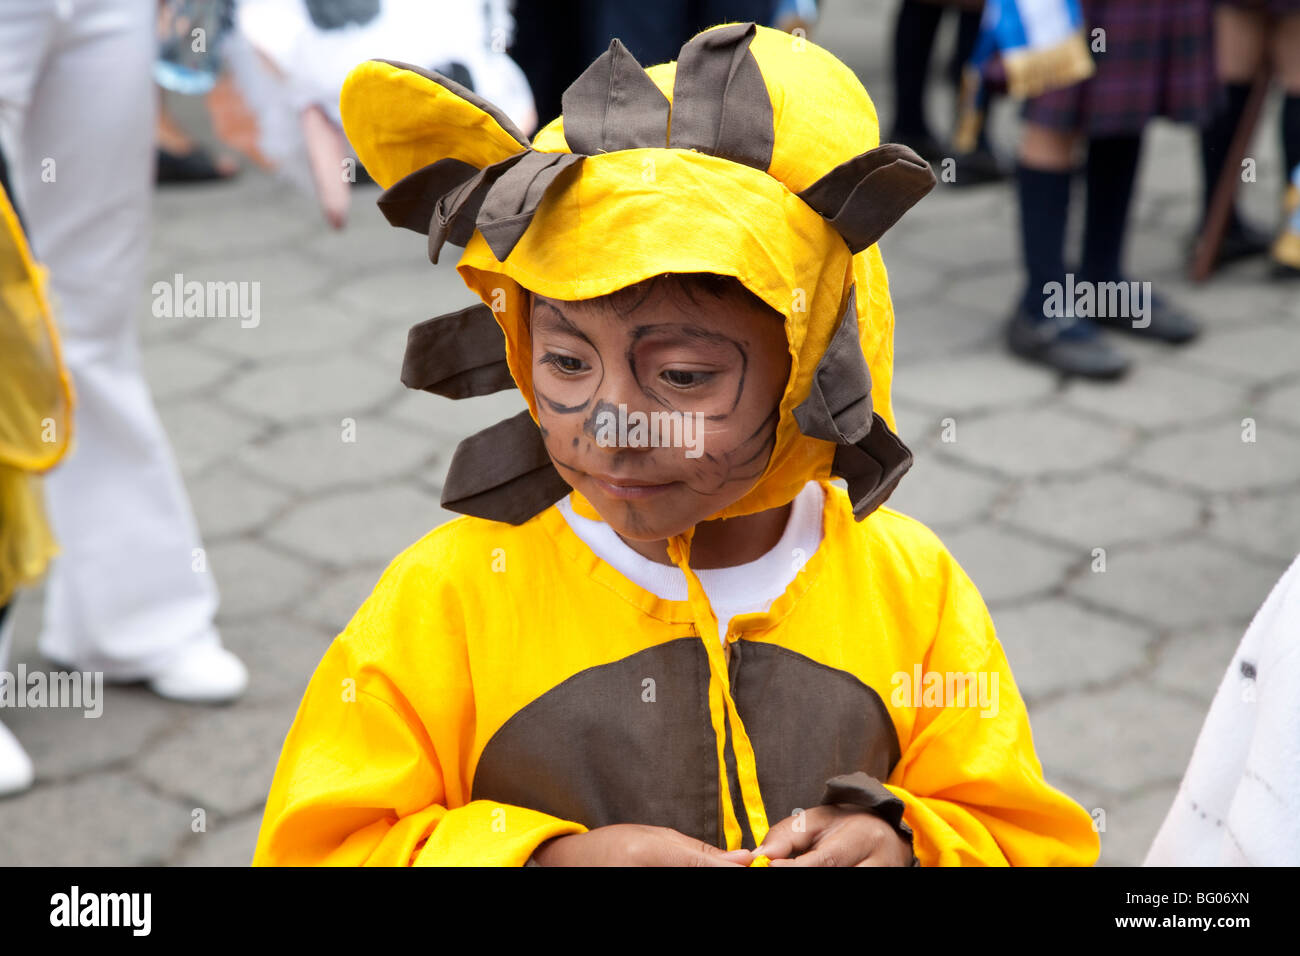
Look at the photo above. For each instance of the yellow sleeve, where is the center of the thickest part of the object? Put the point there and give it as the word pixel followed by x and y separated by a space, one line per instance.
pixel 969 777
pixel 361 782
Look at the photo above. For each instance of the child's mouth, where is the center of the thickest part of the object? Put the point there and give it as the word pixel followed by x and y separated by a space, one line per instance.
pixel 627 488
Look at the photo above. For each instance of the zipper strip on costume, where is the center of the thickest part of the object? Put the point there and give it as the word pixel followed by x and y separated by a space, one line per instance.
pixel 721 706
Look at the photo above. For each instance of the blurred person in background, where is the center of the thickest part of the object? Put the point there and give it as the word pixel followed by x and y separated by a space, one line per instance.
pixel 555 40
pixel 1156 60
pixel 1250 33
pixel 288 58
pixel 915 30
pixel 77 116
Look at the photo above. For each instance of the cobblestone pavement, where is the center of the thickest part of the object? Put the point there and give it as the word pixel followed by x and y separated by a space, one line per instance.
pixel 1118 666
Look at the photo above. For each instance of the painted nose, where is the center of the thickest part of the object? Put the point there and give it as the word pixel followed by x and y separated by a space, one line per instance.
pixel 618 402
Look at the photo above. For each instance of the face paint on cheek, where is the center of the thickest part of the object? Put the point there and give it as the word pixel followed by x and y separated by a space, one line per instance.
pixel 560 408
pixel 743 462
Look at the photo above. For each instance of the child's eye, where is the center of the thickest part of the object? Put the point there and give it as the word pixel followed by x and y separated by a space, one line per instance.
pixel 685 378
pixel 567 364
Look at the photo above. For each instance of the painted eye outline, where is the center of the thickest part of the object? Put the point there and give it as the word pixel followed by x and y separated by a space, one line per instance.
pixel 704 378
pixel 554 360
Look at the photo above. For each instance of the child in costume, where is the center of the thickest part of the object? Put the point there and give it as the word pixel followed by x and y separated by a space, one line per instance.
pixel 36 402
pixel 289 59
pixel 634 654
pixel 1239 800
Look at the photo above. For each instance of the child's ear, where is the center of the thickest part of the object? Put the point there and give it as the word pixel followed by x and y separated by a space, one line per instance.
pixel 863 196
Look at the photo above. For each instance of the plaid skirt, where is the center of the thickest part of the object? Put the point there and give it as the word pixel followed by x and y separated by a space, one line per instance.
pixel 1158 61
pixel 1278 8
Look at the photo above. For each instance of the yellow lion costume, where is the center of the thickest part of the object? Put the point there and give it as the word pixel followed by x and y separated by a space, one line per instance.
pixel 35 408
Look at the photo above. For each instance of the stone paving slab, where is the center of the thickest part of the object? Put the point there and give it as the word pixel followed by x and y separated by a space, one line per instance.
pixel 1024 475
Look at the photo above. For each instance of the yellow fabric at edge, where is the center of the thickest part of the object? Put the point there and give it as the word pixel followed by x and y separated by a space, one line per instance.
pixel 36 402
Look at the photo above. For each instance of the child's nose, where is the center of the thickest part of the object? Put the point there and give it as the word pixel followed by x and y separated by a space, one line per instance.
pixel 620 388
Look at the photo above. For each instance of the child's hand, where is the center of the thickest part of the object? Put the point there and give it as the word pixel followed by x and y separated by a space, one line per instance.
pixel 841 835
pixel 631 844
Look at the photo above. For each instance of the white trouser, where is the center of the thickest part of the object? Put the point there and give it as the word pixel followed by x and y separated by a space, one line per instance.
pixel 77 112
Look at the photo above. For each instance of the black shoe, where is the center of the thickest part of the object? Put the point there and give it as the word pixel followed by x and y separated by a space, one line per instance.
pixel 362 177
pixel 1243 241
pixel 1240 241
pixel 1164 321
pixel 978 168
pixel 195 166
pixel 1073 346
pixel 925 145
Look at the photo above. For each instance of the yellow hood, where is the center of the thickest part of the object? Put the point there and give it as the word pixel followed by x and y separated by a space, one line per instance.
pixel 754 155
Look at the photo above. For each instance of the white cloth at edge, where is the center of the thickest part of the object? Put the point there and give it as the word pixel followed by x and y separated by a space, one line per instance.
pixel 77 89
pixel 1239 801
pixel 743 589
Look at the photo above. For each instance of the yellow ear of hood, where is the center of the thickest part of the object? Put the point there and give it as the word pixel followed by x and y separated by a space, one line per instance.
pixel 399 119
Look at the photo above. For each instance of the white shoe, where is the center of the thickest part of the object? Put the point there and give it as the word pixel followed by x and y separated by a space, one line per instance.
pixel 206 675
pixel 16 772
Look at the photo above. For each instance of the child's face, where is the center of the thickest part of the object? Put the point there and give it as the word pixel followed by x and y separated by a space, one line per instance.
pixel 721 366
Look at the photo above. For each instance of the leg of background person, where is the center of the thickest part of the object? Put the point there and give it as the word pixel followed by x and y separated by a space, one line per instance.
pixel 1043 179
pixel 708 13
pixel 124 596
pixel 1111 170
pixel 968 31
pixel 549 49
pixel 1040 330
pixel 914 33
pixel 654 32
pixel 1286 63
pixel 1239 51
pixel 1111 173
pixel 980 165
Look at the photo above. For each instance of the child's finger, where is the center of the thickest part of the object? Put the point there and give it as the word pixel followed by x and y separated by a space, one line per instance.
pixel 743 857
pixel 784 840
pixel 841 846
pixel 703 858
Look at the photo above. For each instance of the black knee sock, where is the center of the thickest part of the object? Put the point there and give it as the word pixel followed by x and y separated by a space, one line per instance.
pixel 1044 205
pixel 1112 168
pixel 1217 138
pixel 1291 133
pixel 914 33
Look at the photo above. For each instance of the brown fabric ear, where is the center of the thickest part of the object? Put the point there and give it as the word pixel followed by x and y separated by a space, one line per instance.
pixel 863 196
pixel 872 467
pixel 458 355
pixel 409 203
pixel 510 204
pixel 503 473
pixel 838 407
pixel 468 95
pixel 720 101
pixel 614 105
